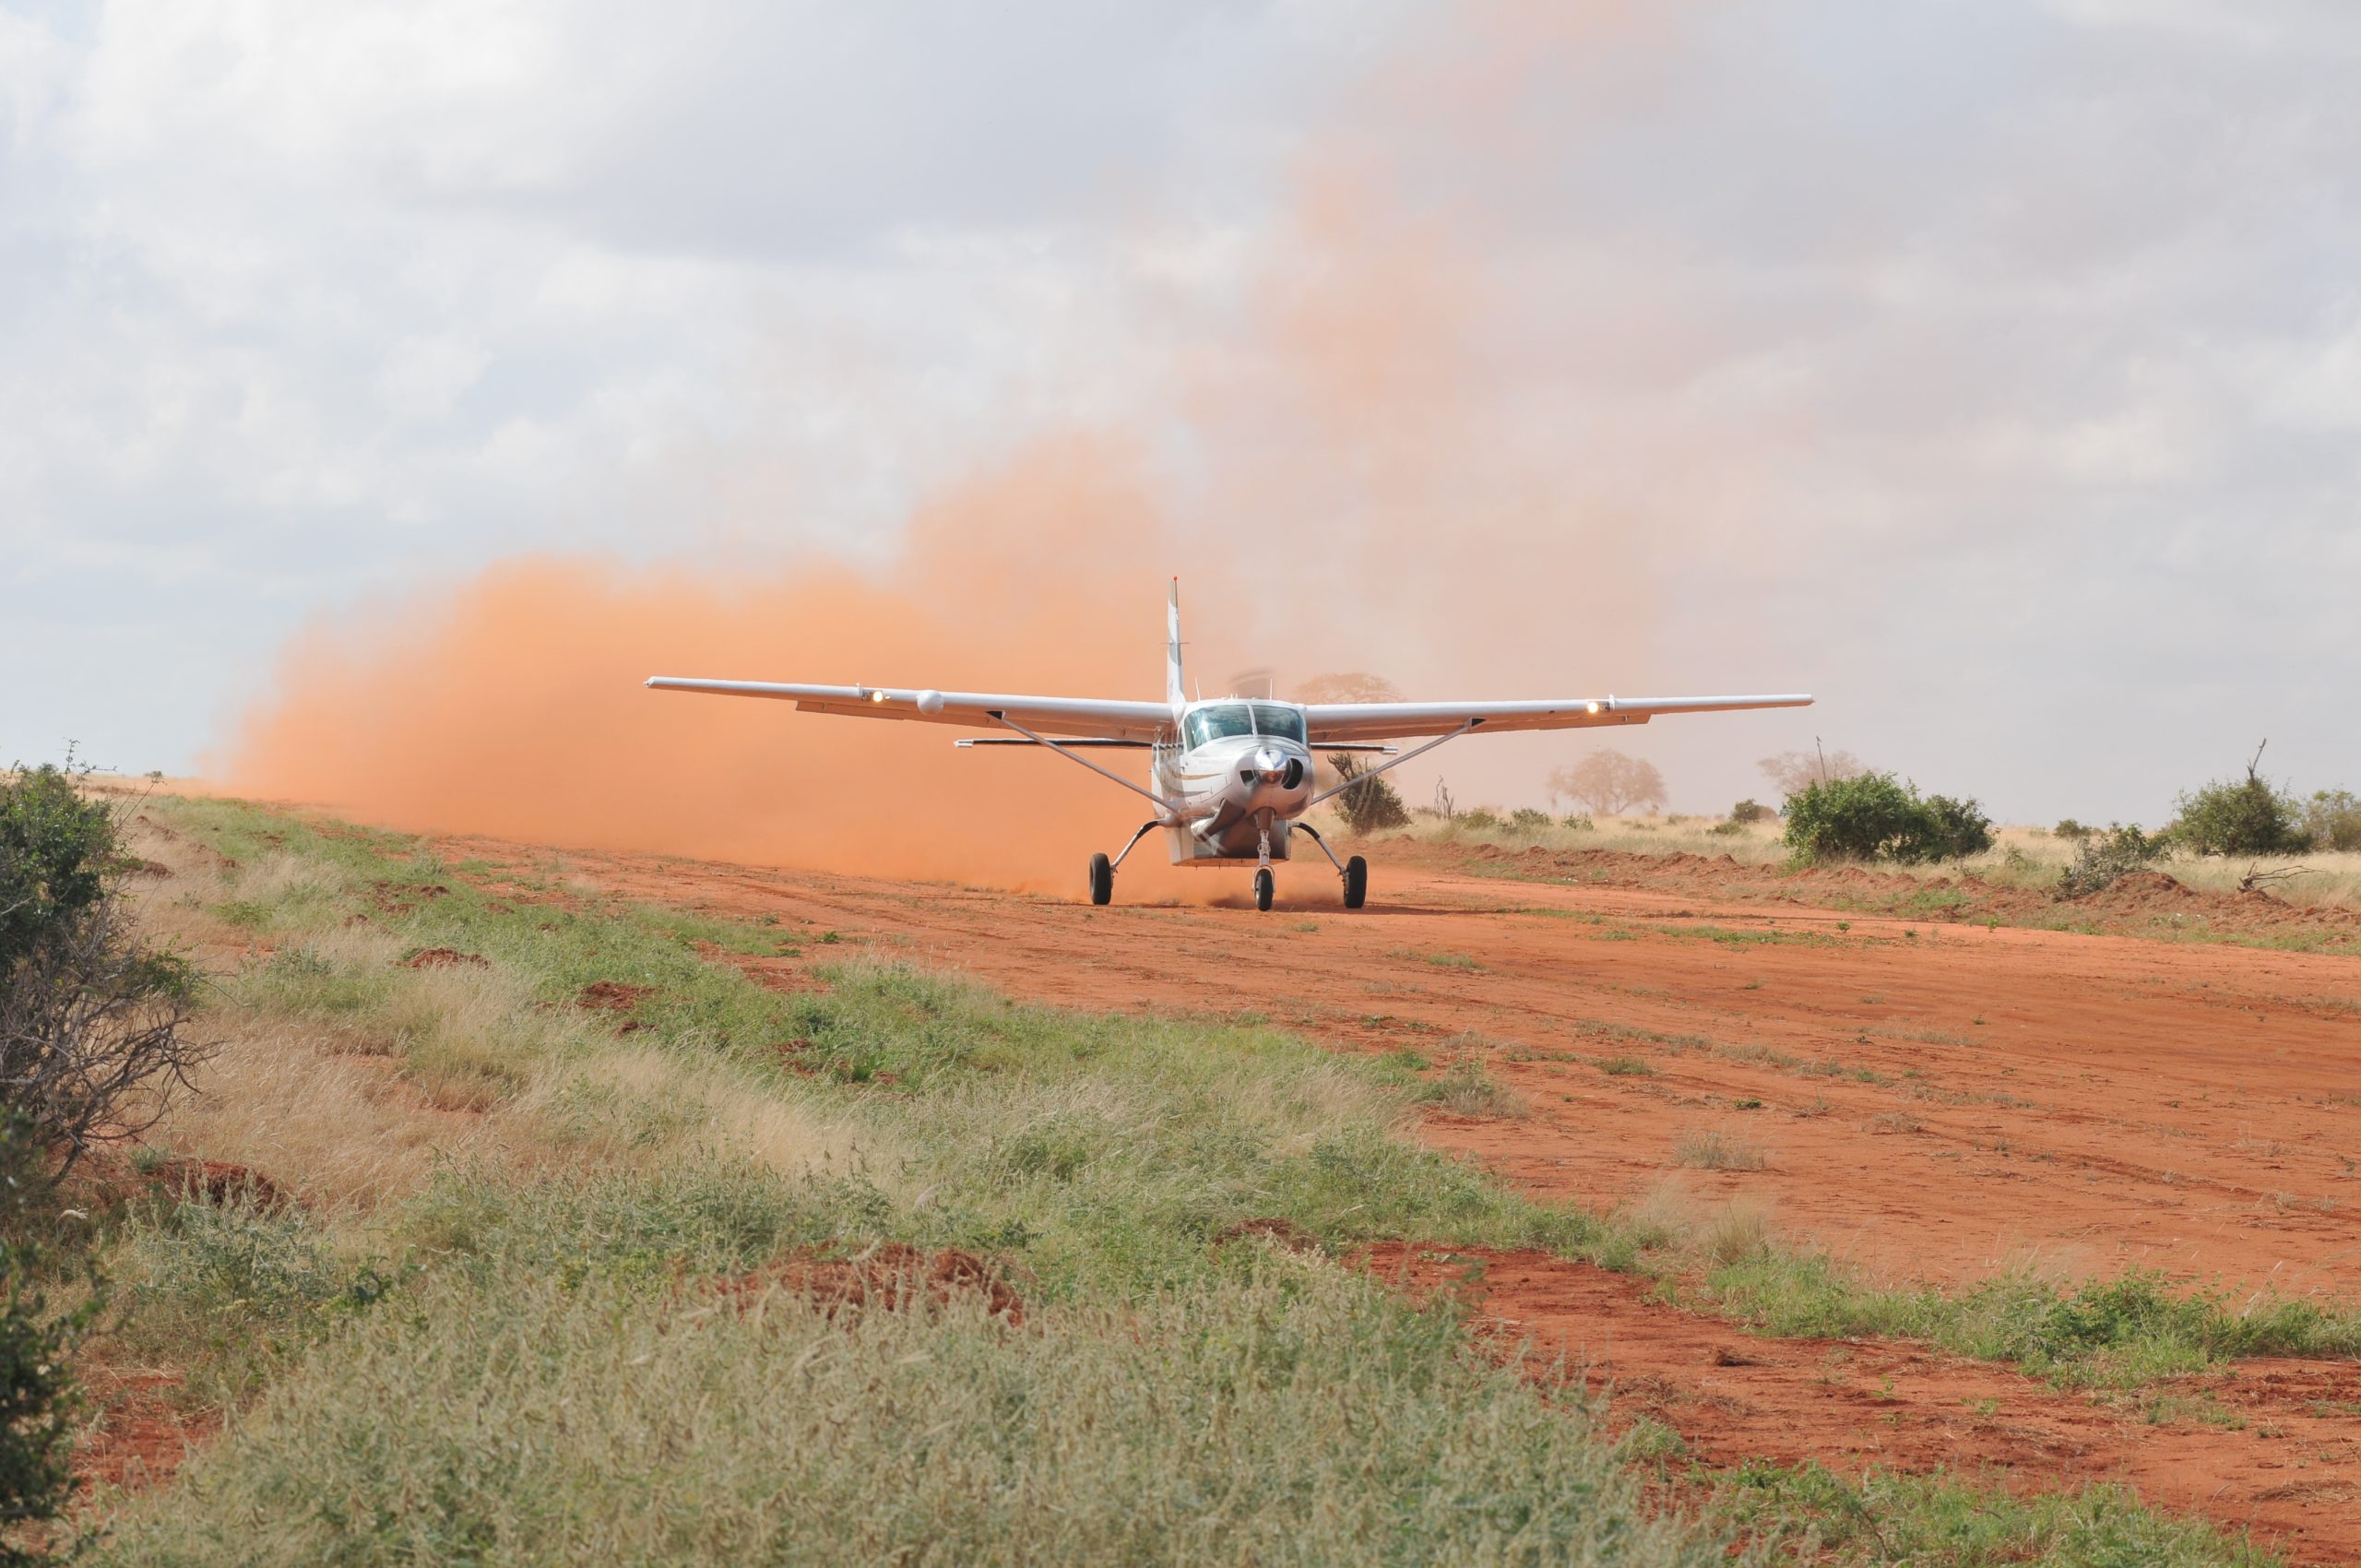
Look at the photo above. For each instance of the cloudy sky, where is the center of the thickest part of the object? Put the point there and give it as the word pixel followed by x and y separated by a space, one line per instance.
pixel 1992 369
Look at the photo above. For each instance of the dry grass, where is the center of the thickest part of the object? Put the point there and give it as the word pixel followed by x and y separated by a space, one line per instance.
pixel 2020 857
pixel 1707 1148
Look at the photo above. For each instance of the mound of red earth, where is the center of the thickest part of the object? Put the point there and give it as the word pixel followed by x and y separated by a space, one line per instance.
pixel 447 958
pixel 612 996
pixel 105 1178
pixel 894 1277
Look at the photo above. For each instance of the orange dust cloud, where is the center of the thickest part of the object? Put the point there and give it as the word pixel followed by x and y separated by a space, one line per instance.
pixel 516 708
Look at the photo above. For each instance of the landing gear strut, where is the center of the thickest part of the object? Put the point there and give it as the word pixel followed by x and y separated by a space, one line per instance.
pixel 1267 886
pixel 1102 870
pixel 1355 870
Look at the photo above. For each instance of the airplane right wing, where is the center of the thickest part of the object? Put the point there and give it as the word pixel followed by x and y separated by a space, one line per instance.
pixel 1343 722
pixel 977 710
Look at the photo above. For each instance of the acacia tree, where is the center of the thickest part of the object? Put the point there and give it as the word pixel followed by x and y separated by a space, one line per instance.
pixel 1609 783
pixel 1793 772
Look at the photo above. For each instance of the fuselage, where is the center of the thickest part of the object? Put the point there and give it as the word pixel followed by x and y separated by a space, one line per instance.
pixel 1242 771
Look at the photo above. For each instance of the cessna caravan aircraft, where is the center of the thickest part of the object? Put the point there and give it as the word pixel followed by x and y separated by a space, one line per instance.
pixel 1230 779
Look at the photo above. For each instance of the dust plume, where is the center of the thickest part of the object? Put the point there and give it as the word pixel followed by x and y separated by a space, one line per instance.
pixel 1360 489
pixel 514 707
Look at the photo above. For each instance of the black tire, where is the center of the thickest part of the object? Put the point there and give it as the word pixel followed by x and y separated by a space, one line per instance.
pixel 1102 880
pixel 1266 887
pixel 1356 882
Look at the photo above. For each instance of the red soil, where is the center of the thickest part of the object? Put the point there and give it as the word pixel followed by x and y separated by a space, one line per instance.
pixel 447 958
pixel 136 1436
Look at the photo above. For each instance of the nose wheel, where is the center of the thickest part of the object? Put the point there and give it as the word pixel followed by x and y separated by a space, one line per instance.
pixel 1266 887
pixel 1356 882
pixel 1102 880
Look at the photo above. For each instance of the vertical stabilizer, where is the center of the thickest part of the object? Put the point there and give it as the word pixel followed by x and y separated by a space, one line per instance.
pixel 1176 691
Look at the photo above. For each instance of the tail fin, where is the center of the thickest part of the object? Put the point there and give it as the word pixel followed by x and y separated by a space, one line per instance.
pixel 1175 691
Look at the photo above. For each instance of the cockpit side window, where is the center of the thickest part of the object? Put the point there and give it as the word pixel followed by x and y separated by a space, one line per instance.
pixel 1272 718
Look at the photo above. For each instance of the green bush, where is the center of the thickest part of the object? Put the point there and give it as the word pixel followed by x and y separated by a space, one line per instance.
pixel 91 1014
pixel 2068 828
pixel 56 848
pixel 37 1398
pixel 1578 823
pixel 1749 810
pixel 1524 819
pixel 1872 816
pixel 2332 817
pixel 2104 857
pixel 1483 819
pixel 2242 816
pixel 1959 828
pixel 1367 804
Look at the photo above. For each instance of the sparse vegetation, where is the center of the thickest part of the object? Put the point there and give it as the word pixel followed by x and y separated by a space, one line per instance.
pixel 1748 811
pixel 1708 1150
pixel 2104 859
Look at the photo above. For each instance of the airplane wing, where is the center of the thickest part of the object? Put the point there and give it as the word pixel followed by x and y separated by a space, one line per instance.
pixel 1051 716
pixel 1336 721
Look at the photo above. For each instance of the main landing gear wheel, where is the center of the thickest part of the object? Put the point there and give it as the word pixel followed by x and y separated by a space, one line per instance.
pixel 1356 882
pixel 1102 880
pixel 1266 887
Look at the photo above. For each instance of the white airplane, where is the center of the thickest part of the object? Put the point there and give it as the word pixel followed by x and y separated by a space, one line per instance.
pixel 1231 777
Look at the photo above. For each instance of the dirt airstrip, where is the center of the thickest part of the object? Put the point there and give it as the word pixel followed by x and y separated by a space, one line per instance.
pixel 1928 1102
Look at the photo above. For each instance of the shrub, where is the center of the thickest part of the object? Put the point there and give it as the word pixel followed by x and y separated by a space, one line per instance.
pixel 2104 857
pixel 1876 816
pixel 2332 817
pixel 1524 819
pixel 1578 823
pixel 2242 816
pixel 1481 818
pixel 1367 804
pixel 1961 828
pixel 1749 810
pixel 2068 828
pixel 90 1016
pixel 55 850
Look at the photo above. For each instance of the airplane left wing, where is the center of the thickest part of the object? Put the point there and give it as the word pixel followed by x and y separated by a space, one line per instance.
pixel 976 710
pixel 1341 721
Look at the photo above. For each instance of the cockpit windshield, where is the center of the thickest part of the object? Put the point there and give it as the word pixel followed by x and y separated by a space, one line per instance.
pixel 1273 718
pixel 1220 719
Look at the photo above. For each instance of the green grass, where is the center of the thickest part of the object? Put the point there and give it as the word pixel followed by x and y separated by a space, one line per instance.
pixel 519 1358
pixel 1948 1521
pixel 2121 1333
pixel 1286 1412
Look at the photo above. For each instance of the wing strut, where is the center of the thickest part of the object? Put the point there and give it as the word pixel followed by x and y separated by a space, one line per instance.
pixel 1170 808
pixel 1392 762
